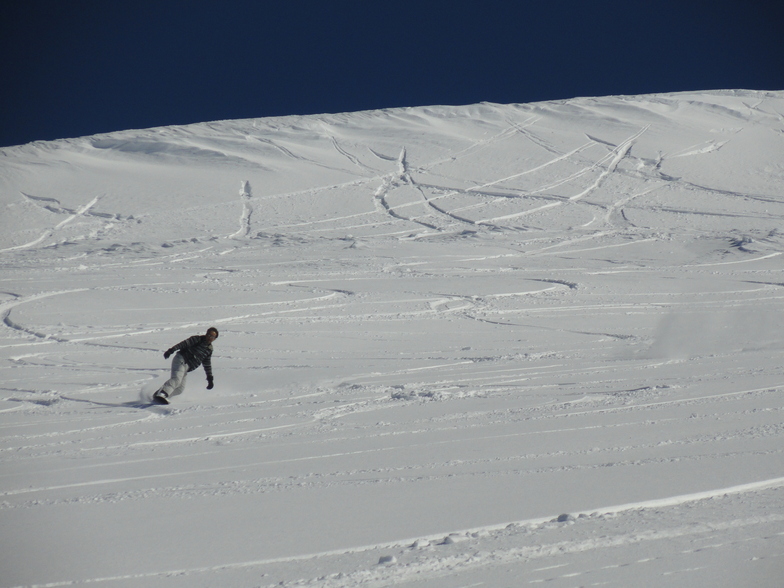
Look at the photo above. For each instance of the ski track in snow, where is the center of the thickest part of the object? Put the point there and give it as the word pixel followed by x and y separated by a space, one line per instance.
pixel 441 328
pixel 72 214
pixel 430 566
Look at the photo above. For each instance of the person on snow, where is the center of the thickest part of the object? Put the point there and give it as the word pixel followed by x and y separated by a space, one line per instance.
pixel 192 352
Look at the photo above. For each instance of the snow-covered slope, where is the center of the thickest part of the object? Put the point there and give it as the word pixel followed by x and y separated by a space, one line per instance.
pixel 441 329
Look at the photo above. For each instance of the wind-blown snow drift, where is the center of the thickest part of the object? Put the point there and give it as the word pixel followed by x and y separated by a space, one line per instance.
pixel 459 345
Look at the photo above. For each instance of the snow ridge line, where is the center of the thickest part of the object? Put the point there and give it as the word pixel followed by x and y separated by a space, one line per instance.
pixel 646 504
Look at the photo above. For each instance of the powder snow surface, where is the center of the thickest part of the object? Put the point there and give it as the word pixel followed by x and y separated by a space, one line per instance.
pixel 488 345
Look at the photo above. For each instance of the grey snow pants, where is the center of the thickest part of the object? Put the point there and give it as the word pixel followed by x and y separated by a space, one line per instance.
pixel 179 371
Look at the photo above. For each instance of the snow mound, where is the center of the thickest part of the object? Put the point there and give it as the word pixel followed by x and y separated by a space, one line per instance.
pixel 440 326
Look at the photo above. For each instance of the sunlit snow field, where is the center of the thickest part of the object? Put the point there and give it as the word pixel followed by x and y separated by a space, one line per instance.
pixel 489 345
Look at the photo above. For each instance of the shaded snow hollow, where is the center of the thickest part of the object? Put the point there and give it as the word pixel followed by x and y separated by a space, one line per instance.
pixel 492 345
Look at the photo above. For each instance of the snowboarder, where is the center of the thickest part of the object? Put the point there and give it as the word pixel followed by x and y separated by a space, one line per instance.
pixel 192 352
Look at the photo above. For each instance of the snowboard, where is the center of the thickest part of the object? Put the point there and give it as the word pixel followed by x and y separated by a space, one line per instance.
pixel 159 400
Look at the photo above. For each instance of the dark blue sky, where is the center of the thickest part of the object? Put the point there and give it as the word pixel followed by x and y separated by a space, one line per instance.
pixel 78 67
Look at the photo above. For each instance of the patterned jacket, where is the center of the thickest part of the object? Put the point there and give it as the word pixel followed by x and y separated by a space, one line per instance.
pixel 196 351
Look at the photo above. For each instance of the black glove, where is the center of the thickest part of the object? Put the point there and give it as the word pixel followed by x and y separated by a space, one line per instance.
pixel 209 383
pixel 167 353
